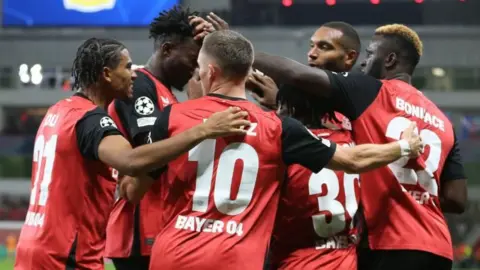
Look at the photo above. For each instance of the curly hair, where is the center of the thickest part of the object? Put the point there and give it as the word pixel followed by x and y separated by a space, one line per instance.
pixel 92 56
pixel 170 24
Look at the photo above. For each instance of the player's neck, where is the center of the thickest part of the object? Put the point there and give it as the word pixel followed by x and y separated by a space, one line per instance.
pixel 229 89
pixel 94 95
pixel 153 66
pixel 402 76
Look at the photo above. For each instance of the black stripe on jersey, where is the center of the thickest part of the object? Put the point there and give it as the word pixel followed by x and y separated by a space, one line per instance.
pixel 136 243
pixel 71 260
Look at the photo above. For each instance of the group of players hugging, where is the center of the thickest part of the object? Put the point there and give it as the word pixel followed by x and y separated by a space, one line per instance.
pixel 335 169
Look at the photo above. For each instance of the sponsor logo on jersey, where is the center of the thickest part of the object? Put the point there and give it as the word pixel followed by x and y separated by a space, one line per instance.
pixel 89 6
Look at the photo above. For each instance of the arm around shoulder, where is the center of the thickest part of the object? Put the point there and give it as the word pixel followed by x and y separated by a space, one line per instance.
pixel 366 157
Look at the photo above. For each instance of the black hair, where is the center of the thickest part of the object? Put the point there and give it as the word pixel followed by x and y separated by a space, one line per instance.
pixel 172 24
pixel 305 107
pixel 92 56
pixel 350 39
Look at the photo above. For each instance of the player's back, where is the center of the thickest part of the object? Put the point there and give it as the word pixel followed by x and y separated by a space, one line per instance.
pixel 221 197
pixel 401 203
pixel 70 198
pixel 315 228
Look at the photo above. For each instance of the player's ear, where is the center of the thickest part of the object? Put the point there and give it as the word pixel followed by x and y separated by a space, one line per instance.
pixel 211 72
pixel 166 49
pixel 351 58
pixel 107 74
pixel 391 60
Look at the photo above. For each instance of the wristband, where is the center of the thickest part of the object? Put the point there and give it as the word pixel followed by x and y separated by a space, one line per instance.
pixel 404 148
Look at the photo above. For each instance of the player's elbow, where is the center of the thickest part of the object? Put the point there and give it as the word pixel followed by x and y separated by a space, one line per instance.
pixel 348 160
pixel 356 166
pixel 135 163
pixel 453 206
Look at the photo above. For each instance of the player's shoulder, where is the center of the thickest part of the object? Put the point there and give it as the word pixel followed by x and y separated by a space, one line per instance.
pixel 74 105
pixel 144 85
pixel 70 111
pixel 143 78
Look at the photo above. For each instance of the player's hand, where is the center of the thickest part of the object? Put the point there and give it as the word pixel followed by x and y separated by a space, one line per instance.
pixel 194 86
pixel 124 182
pixel 229 122
pixel 415 141
pixel 217 22
pixel 201 27
pixel 264 89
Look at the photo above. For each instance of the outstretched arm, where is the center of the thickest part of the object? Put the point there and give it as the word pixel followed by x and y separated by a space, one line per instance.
pixel 303 147
pixel 308 79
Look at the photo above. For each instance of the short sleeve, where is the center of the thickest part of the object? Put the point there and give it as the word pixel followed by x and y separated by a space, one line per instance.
pixel 301 146
pixel 143 107
pixel 91 129
pixel 353 92
pixel 453 167
pixel 159 132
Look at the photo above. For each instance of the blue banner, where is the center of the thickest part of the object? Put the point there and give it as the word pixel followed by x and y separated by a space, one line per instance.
pixel 77 13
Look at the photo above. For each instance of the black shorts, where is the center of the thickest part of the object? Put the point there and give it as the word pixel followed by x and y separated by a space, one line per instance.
pixel 400 260
pixel 137 263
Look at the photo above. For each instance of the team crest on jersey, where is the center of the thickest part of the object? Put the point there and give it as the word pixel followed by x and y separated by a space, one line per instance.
pixel 165 101
pixel 89 6
pixel 144 106
pixel 107 122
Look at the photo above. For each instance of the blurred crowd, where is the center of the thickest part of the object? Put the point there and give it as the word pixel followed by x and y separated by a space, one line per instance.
pixel 13 208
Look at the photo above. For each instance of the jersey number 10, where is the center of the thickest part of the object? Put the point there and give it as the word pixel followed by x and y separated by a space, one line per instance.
pixel 204 154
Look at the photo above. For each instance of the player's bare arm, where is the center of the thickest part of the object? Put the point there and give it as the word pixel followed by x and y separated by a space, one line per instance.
pixel 367 157
pixel 453 196
pixel 453 183
pixel 117 152
pixel 281 69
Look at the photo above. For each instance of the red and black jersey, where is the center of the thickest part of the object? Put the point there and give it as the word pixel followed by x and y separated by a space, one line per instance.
pixel 315 226
pixel 401 201
pixel 72 191
pixel 132 229
pixel 220 198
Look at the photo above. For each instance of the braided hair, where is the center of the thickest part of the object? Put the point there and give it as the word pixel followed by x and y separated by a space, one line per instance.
pixel 92 56
pixel 308 108
pixel 170 24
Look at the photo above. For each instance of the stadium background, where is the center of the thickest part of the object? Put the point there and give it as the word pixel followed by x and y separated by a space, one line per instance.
pixel 38 40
